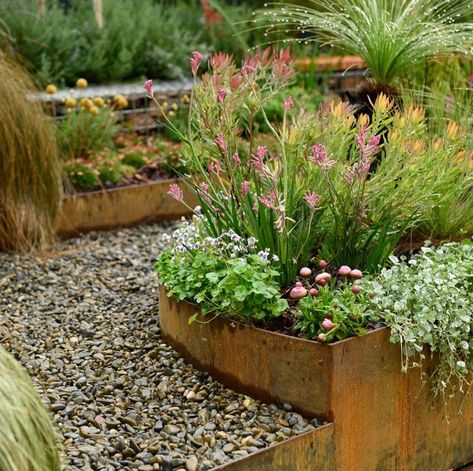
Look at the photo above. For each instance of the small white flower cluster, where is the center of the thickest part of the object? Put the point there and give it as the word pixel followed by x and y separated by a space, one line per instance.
pixel 188 236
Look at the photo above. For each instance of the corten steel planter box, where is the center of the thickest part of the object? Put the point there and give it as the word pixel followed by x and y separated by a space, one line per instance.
pixel 312 450
pixel 120 207
pixel 384 420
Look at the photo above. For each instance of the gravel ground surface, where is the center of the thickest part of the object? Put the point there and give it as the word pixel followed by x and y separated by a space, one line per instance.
pixel 83 320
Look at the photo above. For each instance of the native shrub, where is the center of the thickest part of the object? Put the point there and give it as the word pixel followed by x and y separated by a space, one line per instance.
pixel 269 197
pixel 88 127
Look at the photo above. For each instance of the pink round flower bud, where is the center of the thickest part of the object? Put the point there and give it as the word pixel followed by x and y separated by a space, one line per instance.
pixel 327 324
pixel 371 294
pixel 313 292
pixel 355 289
pixel 298 292
pixel 297 284
pixel 305 272
pixel 356 274
pixel 321 338
pixel 344 270
pixel 322 264
pixel 326 277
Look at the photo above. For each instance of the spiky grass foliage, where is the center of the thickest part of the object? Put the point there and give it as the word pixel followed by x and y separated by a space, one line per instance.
pixel 30 189
pixel 392 36
pixel 447 101
pixel 27 439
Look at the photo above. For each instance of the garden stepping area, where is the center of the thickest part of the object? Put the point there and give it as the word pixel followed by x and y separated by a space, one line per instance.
pixel 83 319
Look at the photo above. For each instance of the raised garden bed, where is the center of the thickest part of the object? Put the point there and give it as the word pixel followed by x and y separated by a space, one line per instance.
pixel 383 419
pixel 119 207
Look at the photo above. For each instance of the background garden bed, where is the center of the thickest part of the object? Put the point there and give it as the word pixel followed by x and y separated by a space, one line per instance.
pixel 119 207
pixel 384 419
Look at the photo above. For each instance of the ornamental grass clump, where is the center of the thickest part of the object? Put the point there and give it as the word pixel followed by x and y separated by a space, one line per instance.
pixel 28 440
pixel 427 301
pixel 30 169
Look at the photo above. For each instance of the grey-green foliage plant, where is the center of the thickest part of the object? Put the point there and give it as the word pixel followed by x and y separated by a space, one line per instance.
pixel 28 441
pixel 427 301
pixel 392 36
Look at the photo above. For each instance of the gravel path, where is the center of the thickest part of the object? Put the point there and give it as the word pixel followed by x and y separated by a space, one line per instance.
pixel 83 320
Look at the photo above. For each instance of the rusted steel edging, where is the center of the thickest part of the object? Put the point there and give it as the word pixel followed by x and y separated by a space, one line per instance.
pixel 383 419
pixel 120 207
pixel 312 450
pixel 330 63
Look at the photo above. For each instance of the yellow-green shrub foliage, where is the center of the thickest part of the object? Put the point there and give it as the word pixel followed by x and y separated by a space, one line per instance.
pixel 30 175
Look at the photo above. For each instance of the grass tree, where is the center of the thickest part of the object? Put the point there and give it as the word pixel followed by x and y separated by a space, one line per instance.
pixel 392 36
pixel 27 439
pixel 30 174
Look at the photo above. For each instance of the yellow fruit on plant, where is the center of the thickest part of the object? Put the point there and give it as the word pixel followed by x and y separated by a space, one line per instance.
pixel 99 101
pixel 51 89
pixel 87 103
pixel 94 110
pixel 69 102
pixel 120 101
pixel 82 83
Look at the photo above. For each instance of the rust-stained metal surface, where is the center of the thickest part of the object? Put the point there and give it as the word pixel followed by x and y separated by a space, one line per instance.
pixel 311 451
pixel 384 420
pixel 120 207
pixel 268 366
pixel 331 63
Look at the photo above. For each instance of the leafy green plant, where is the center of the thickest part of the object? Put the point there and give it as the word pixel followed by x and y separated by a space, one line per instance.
pixel 30 179
pixel 82 177
pixel 28 440
pixel 86 130
pixel 392 36
pixel 135 159
pixel 335 313
pixel 224 275
pixel 426 301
